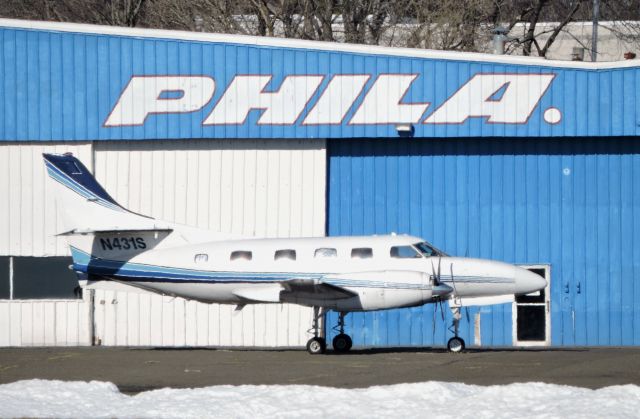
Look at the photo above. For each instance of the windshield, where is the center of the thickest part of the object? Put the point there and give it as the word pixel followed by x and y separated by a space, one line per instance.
pixel 427 250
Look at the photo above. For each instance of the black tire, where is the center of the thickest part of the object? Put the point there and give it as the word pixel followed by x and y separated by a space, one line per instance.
pixel 342 343
pixel 455 345
pixel 316 346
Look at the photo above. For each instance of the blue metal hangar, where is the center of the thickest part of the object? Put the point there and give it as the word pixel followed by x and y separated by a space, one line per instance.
pixel 518 159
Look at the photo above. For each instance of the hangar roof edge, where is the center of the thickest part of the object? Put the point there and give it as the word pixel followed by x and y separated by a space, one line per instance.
pixel 305 44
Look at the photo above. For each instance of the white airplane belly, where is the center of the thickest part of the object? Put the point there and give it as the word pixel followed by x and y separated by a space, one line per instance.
pixel 222 293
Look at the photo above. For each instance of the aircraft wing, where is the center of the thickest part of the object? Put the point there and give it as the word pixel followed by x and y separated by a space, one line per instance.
pixel 309 288
pixel 317 289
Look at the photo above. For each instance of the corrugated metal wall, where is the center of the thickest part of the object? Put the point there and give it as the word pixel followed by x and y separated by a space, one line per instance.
pixel 270 188
pixel 254 187
pixel 45 323
pixel 145 319
pixel 28 218
pixel 61 85
pixel 573 204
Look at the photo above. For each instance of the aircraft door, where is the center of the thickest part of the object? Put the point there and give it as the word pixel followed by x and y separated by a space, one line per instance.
pixel 531 313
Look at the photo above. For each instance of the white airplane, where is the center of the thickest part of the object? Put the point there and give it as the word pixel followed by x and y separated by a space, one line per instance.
pixel 345 274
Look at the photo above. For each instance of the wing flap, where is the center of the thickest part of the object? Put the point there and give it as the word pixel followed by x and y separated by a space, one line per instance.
pixel 317 289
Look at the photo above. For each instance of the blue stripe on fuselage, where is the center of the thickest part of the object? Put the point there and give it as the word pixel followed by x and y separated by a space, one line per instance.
pixel 122 270
pixel 86 263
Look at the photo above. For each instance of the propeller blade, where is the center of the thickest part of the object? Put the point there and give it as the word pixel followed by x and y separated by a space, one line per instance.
pixel 453 281
pixel 435 311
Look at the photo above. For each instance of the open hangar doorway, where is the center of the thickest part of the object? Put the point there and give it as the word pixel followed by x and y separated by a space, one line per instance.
pixel 567 204
pixel 531 321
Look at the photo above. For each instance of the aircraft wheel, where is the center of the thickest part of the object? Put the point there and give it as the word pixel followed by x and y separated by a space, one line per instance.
pixel 455 344
pixel 342 343
pixel 316 346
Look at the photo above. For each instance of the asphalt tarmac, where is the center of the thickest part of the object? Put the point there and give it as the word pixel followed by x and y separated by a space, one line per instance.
pixel 140 369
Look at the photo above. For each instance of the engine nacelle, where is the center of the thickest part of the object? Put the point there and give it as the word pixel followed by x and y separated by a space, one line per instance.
pixel 378 290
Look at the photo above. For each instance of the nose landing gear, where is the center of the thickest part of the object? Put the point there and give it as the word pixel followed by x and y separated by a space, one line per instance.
pixel 456 343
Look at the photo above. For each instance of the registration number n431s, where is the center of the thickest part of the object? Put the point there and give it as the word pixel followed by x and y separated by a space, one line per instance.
pixel 123 243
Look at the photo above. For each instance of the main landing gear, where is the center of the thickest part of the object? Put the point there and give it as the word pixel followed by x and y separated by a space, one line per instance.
pixel 456 343
pixel 318 345
pixel 342 342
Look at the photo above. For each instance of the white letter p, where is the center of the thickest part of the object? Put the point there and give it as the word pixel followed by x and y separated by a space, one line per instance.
pixel 143 96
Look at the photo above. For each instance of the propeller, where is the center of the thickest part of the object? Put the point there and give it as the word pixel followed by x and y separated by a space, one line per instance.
pixel 453 283
pixel 438 298
pixel 453 280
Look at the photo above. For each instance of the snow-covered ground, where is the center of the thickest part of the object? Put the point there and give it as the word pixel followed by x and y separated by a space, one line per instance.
pixel 41 398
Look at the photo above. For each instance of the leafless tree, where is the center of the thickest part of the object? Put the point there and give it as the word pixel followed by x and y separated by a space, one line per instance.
pixel 463 25
pixel 448 24
pixel 532 13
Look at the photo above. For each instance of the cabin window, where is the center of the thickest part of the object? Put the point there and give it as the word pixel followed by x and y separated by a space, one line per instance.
pixel 241 255
pixel 404 252
pixel 285 254
pixel 361 253
pixel 201 258
pixel 325 252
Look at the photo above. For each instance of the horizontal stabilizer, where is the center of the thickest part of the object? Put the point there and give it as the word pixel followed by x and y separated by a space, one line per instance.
pixel 78 231
pixel 268 293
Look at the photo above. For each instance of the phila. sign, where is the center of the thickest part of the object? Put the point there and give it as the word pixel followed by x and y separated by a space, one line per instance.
pixel 339 99
pixel 112 84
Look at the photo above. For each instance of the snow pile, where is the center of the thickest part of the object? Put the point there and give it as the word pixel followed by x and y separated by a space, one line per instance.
pixel 40 398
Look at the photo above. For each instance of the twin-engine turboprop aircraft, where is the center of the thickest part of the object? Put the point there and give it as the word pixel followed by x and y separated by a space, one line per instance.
pixel 344 274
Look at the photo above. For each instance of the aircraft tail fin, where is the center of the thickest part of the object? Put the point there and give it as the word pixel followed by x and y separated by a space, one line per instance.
pixel 84 205
pixel 96 226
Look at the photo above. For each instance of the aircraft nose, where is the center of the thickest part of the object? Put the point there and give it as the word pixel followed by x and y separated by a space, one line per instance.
pixel 527 281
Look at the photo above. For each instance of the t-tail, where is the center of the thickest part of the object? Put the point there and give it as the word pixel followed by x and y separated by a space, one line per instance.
pixel 84 205
pixel 97 227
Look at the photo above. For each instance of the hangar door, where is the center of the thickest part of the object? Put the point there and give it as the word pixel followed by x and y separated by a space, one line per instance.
pixel 569 204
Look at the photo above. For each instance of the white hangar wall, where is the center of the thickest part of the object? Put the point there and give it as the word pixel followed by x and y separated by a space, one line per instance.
pixel 254 187
pixel 272 188
pixel 28 217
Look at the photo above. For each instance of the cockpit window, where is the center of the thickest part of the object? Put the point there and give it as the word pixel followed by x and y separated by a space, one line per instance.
pixel 404 252
pixel 427 250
